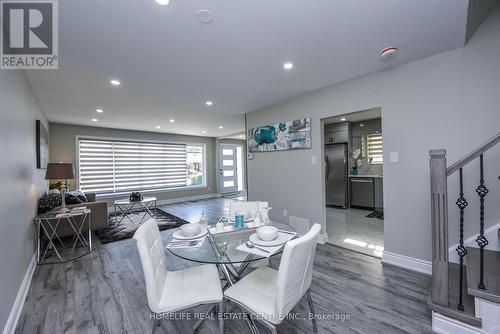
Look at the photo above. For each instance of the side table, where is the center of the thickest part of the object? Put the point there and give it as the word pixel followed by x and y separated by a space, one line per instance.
pixel 49 241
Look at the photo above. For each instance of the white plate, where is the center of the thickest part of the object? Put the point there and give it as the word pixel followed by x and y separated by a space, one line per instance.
pixel 180 236
pixel 280 240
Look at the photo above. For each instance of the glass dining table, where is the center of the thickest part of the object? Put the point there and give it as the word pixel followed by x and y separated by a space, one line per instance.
pixel 221 249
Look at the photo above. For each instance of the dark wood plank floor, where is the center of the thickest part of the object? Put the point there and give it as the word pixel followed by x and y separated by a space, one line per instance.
pixel 105 293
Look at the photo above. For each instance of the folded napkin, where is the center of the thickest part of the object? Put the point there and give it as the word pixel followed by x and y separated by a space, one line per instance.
pixel 177 243
pixel 271 249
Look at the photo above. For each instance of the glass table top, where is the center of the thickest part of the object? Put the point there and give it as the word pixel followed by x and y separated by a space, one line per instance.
pixel 221 248
pixel 57 215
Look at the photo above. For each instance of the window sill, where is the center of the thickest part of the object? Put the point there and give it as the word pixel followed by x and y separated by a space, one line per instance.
pixel 150 191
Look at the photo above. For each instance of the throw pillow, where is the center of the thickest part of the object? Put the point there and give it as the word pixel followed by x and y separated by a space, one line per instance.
pixel 71 199
pixel 80 195
pixel 48 202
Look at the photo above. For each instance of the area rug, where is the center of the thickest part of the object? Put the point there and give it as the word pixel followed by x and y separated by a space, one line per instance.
pixel 127 227
pixel 376 214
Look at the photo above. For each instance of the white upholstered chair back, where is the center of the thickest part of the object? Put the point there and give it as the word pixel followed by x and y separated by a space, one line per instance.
pixel 154 264
pixel 240 206
pixel 295 270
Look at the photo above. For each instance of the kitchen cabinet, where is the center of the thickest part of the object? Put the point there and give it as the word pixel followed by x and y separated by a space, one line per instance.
pixel 362 192
pixel 337 133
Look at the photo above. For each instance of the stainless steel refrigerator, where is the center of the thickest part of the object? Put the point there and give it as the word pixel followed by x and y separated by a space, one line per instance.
pixel 336 174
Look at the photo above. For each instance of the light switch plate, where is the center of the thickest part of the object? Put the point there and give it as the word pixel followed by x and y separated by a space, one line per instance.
pixel 314 161
pixel 249 156
pixel 394 157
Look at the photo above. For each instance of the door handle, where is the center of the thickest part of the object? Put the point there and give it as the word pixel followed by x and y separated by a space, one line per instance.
pixel 361 181
pixel 327 169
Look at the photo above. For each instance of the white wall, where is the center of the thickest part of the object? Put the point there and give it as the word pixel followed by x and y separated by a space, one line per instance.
pixel 21 183
pixel 450 101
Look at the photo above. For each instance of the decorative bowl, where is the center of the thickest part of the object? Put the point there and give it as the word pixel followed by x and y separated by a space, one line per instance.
pixel 191 229
pixel 267 233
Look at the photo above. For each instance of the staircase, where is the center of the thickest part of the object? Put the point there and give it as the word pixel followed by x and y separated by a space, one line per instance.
pixel 465 296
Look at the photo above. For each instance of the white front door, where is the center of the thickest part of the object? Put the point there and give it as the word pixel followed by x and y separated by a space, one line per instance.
pixel 228 171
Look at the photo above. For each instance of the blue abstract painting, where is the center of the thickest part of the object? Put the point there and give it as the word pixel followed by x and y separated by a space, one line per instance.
pixel 288 135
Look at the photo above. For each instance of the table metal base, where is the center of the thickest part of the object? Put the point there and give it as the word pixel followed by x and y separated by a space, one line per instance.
pixel 47 228
pixel 127 209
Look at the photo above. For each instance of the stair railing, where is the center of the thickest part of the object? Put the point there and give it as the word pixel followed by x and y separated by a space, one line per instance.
pixel 439 173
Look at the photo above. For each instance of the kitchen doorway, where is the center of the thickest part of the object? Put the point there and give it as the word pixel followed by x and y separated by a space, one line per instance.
pixel 353 153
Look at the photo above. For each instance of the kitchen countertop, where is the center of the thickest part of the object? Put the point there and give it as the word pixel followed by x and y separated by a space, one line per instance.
pixel 367 175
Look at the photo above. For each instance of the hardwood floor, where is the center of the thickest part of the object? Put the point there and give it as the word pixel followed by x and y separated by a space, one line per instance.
pixel 105 293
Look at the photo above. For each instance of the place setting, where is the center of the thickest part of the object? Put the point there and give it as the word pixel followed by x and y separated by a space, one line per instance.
pixel 191 235
pixel 266 241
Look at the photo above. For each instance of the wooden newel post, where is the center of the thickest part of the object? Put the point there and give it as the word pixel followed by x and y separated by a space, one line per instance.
pixel 439 226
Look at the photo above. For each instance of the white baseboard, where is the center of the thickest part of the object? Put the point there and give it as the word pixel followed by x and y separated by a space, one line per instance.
pixel 178 200
pixel 407 262
pixel 17 308
pixel 323 238
pixel 444 325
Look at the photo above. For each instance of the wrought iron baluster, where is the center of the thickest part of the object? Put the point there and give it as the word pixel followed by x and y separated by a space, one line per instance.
pixel 461 250
pixel 481 240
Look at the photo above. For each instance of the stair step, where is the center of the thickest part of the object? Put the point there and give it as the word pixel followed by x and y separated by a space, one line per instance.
pixel 491 274
pixel 468 314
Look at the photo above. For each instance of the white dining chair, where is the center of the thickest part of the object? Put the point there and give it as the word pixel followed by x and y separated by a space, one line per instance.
pixel 271 294
pixel 172 291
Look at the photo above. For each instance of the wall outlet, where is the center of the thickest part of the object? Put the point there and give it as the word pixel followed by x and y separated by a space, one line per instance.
pixel 285 213
pixel 394 156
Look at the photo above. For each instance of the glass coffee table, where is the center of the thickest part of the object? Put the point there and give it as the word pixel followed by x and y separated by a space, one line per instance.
pixel 127 207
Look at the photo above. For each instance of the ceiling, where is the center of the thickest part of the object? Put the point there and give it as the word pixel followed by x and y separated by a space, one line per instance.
pixel 355 116
pixel 169 64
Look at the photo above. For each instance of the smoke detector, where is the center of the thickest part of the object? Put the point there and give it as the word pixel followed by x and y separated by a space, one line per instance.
pixel 388 52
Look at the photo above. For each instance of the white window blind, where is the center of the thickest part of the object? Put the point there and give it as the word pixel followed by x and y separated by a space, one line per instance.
pixel 122 166
pixel 374 148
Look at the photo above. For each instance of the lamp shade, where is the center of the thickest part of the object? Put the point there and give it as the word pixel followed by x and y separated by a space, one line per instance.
pixel 59 171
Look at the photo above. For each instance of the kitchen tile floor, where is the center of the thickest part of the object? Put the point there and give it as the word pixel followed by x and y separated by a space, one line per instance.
pixel 351 229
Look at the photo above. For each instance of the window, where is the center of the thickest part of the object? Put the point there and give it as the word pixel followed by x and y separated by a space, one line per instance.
pixel 123 166
pixel 374 148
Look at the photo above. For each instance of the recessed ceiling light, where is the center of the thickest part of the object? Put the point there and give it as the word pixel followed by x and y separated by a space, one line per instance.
pixel 361 125
pixel 100 111
pixel 94 119
pixel 288 66
pixel 203 131
pixel 172 121
pixel 221 127
pixel 163 2
pixel 209 103
pixel 115 82
pixel 204 16
pixel 158 127
pixel 343 119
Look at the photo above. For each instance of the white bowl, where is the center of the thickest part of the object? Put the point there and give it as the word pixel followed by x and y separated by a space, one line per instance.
pixel 191 229
pixel 267 233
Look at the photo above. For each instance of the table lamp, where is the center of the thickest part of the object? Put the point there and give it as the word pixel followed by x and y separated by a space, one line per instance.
pixel 61 171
